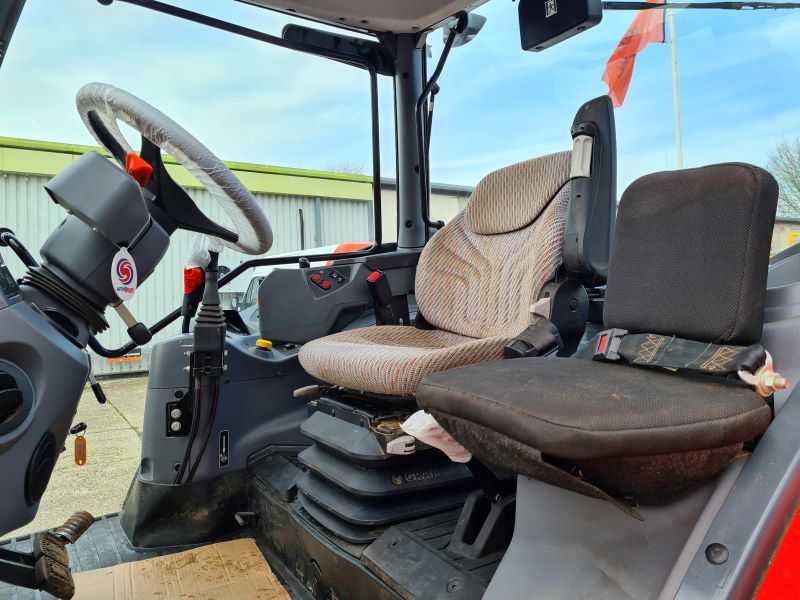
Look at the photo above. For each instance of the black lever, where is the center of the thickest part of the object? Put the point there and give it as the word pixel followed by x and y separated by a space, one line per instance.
pixel 9 238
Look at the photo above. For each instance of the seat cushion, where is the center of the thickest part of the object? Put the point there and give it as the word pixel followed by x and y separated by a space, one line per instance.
pixel 582 409
pixel 392 360
pixel 640 435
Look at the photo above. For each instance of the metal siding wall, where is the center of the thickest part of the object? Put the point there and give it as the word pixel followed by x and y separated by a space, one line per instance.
pixel 27 209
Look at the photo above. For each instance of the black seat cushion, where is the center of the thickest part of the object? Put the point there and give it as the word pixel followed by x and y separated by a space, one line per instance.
pixel 634 432
pixel 581 409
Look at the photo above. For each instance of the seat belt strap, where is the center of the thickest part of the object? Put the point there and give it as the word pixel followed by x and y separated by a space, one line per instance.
pixel 669 352
pixel 539 339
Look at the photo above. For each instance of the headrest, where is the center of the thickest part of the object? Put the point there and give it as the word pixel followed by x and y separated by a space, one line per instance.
pixel 691 253
pixel 512 197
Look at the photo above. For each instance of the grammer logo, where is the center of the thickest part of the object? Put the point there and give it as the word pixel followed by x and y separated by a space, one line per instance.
pixel 550 8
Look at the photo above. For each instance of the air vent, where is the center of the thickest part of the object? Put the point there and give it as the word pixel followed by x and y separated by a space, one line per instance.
pixel 10 398
pixel 15 397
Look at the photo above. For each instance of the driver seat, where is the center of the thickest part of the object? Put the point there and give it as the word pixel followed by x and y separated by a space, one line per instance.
pixel 475 282
pixel 478 276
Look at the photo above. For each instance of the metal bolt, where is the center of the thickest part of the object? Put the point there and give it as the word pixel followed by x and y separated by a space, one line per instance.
pixel 453 585
pixel 178 394
pixel 175 426
pixel 717 553
pixel 175 413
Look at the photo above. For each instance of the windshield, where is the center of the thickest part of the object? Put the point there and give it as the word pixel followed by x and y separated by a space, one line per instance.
pixel 295 128
pixel 737 77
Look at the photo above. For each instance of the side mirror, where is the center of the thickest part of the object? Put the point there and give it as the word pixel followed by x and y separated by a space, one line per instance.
pixel 475 23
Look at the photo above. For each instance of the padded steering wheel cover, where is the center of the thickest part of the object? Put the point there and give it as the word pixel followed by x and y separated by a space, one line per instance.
pixel 111 104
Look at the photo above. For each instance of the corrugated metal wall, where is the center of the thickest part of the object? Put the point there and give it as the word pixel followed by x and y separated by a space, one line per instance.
pixel 27 209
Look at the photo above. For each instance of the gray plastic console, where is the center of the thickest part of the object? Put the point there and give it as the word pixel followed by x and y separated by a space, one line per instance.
pixel 107 210
pixel 256 406
pixel 49 371
pixel 300 305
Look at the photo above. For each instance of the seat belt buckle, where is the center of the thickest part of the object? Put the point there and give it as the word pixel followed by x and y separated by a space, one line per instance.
pixel 607 345
pixel 379 288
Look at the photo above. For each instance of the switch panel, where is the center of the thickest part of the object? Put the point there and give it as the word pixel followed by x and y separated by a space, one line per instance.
pixel 329 280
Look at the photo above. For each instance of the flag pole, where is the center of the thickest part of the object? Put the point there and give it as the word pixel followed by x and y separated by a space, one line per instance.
pixel 675 94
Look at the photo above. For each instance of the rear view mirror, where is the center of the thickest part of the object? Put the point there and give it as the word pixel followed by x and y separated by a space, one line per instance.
pixel 544 23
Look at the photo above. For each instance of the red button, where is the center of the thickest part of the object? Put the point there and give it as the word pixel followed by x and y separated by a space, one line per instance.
pixel 326 285
pixel 374 276
pixel 316 277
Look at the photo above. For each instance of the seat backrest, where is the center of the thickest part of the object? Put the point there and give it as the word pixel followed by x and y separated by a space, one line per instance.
pixel 479 275
pixel 691 252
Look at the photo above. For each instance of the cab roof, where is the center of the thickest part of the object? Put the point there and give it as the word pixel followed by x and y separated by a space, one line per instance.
pixel 375 16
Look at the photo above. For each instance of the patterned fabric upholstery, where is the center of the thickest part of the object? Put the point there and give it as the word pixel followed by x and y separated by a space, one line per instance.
pixel 483 285
pixel 512 197
pixel 476 280
pixel 391 359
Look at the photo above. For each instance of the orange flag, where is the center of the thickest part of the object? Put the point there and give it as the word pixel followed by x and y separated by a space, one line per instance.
pixel 647 28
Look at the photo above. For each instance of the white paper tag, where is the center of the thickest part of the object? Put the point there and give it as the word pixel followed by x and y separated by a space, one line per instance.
pixel 123 274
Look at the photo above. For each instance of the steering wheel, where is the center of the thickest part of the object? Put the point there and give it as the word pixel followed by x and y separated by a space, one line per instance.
pixel 102 106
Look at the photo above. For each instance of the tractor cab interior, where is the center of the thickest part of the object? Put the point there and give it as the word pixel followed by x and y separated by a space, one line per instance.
pixel 550 395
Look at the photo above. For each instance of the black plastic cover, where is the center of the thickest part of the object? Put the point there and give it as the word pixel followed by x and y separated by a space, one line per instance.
pixel 544 23
pixel 593 200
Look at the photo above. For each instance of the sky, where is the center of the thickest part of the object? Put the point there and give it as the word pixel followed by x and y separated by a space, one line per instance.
pixel 738 72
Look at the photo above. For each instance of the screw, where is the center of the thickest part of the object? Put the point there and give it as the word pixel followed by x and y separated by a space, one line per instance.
pixel 717 553
pixel 453 585
pixel 178 394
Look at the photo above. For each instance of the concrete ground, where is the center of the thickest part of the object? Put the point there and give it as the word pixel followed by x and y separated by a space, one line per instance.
pixel 113 441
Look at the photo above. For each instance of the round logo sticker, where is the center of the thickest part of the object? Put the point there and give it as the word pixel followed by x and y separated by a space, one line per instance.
pixel 123 274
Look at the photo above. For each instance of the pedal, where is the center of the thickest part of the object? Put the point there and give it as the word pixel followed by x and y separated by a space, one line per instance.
pixel 75 527
pixel 54 578
pixel 49 545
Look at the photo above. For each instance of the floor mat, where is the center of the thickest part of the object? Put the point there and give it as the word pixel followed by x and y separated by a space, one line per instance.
pixel 222 571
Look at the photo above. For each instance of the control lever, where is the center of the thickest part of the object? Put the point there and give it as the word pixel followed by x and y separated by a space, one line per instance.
pixel 194 283
pixel 304 263
pixel 99 394
pixel 138 332
pixel 98 391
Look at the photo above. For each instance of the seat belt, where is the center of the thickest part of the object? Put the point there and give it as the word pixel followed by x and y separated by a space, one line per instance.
pixel 752 364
